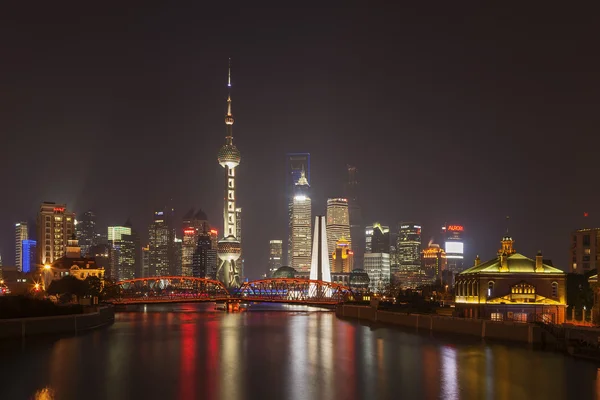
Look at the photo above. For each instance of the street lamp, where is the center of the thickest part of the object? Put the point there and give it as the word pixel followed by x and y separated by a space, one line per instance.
pixel 47 276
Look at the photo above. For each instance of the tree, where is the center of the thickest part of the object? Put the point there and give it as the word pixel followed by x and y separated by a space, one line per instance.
pixel 110 290
pixel 67 287
pixel 93 286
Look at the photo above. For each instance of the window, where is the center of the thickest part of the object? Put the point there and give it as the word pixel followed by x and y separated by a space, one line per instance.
pixel 555 290
pixel 496 316
pixel 586 265
pixel 586 258
pixel 520 317
pixel 586 240
pixel 587 251
pixel 574 266
pixel 490 288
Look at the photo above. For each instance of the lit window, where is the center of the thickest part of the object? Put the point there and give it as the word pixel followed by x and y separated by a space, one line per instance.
pixel 490 289
pixel 574 265
pixel 555 290
pixel 520 317
pixel 496 316
pixel 587 251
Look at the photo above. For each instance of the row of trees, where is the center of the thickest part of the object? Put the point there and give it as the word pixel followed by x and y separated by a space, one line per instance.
pixel 70 287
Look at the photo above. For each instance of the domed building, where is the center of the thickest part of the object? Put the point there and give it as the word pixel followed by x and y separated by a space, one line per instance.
pixel 512 287
pixel 284 272
pixel 359 280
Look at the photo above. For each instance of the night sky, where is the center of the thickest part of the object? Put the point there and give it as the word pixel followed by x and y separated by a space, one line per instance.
pixel 464 115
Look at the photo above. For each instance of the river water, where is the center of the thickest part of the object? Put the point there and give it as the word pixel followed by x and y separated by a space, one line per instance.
pixel 191 351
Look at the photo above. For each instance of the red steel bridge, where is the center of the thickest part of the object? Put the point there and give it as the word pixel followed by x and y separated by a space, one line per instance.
pixel 179 289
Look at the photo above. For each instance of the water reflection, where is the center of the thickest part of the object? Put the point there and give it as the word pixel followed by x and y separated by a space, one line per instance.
pixel 193 352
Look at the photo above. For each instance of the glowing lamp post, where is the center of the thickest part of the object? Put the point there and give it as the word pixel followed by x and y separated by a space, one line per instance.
pixel 47 276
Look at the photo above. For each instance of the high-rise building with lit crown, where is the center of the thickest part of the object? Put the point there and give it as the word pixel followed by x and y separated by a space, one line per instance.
pixel 300 224
pixel 275 256
pixel 433 262
pixel 123 255
pixel 342 257
pixel 377 239
pixel 229 250
pixel 194 224
pixel 296 165
pixel 21 233
pixel 338 222
pixel 161 246
pixel 454 247
pixel 55 225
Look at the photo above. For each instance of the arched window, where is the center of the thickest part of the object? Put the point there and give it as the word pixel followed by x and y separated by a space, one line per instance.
pixel 475 288
pixel 555 290
pixel 490 288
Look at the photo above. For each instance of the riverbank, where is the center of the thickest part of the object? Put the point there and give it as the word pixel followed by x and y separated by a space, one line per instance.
pixel 60 324
pixel 501 330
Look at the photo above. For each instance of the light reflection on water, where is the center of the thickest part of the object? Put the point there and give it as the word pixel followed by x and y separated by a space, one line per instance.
pixel 287 352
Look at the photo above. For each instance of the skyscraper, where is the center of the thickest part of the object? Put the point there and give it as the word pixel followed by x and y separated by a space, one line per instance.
pixel 342 258
pixel 319 266
pixel 213 259
pixel 123 252
pixel 454 247
pixel 229 246
pixel 21 234
pixel 295 164
pixel 238 235
pixel 86 232
pixel 161 246
pixel 409 247
pixel 434 262
pixel 204 256
pixel 357 232
pixel 275 256
pixel 338 222
pixel 300 219
pixel 29 252
pixel 55 225
pixel 377 239
pixel 194 223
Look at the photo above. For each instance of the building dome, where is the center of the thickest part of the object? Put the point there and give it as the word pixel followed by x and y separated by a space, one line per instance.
pixel 284 272
pixel 229 248
pixel 229 156
pixel 359 279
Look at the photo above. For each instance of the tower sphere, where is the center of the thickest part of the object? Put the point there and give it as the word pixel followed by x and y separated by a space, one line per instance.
pixel 229 248
pixel 229 156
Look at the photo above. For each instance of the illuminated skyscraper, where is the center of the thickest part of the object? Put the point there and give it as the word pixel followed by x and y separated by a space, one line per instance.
pixel 203 256
pixel 238 235
pixel 433 262
pixel 122 255
pixel 376 259
pixel 86 232
pixel 454 246
pixel 229 250
pixel 29 248
pixel 21 233
pixel 338 222
pixel 300 220
pixel 275 256
pixel 213 259
pixel 409 247
pixel 357 232
pixel 319 266
pixel 342 257
pixel 55 225
pixel 161 247
pixel 295 164
pixel 377 239
pixel 194 223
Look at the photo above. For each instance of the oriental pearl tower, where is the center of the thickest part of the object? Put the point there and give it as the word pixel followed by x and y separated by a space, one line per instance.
pixel 229 248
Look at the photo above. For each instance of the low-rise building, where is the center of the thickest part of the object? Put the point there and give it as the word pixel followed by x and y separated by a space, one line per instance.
pixel 512 287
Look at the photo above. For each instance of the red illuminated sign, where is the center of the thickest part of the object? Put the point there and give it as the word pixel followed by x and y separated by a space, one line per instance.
pixel 214 231
pixel 189 231
pixel 456 228
pixel 59 209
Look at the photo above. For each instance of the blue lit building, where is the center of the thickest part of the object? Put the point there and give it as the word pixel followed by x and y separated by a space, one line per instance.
pixel 29 254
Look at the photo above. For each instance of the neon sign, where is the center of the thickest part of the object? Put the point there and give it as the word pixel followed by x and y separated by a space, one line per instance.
pixel 456 228
pixel 59 209
pixel 189 231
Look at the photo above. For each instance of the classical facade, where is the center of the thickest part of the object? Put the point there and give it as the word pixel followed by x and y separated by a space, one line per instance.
pixel 512 287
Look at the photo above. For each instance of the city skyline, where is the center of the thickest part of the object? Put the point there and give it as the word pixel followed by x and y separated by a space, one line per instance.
pixel 463 96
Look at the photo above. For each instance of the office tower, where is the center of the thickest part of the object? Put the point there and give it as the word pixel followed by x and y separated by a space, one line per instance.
pixel 275 256
pixel 454 247
pixel 357 232
pixel 377 239
pixel 434 262
pixel 161 246
pixel 203 256
pixel 338 222
pixel 86 231
pixel 146 261
pixel 194 223
pixel 377 266
pixel 21 234
pixel 295 163
pixel 319 267
pixel 409 247
pixel 177 256
pixel 123 252
pixel 29 251
pixel 342 258
pixel 300 219
pixel 229 248
pixel 55 225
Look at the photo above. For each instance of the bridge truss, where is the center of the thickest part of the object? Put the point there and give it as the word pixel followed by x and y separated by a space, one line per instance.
pixel 169 289
pixel 294 290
